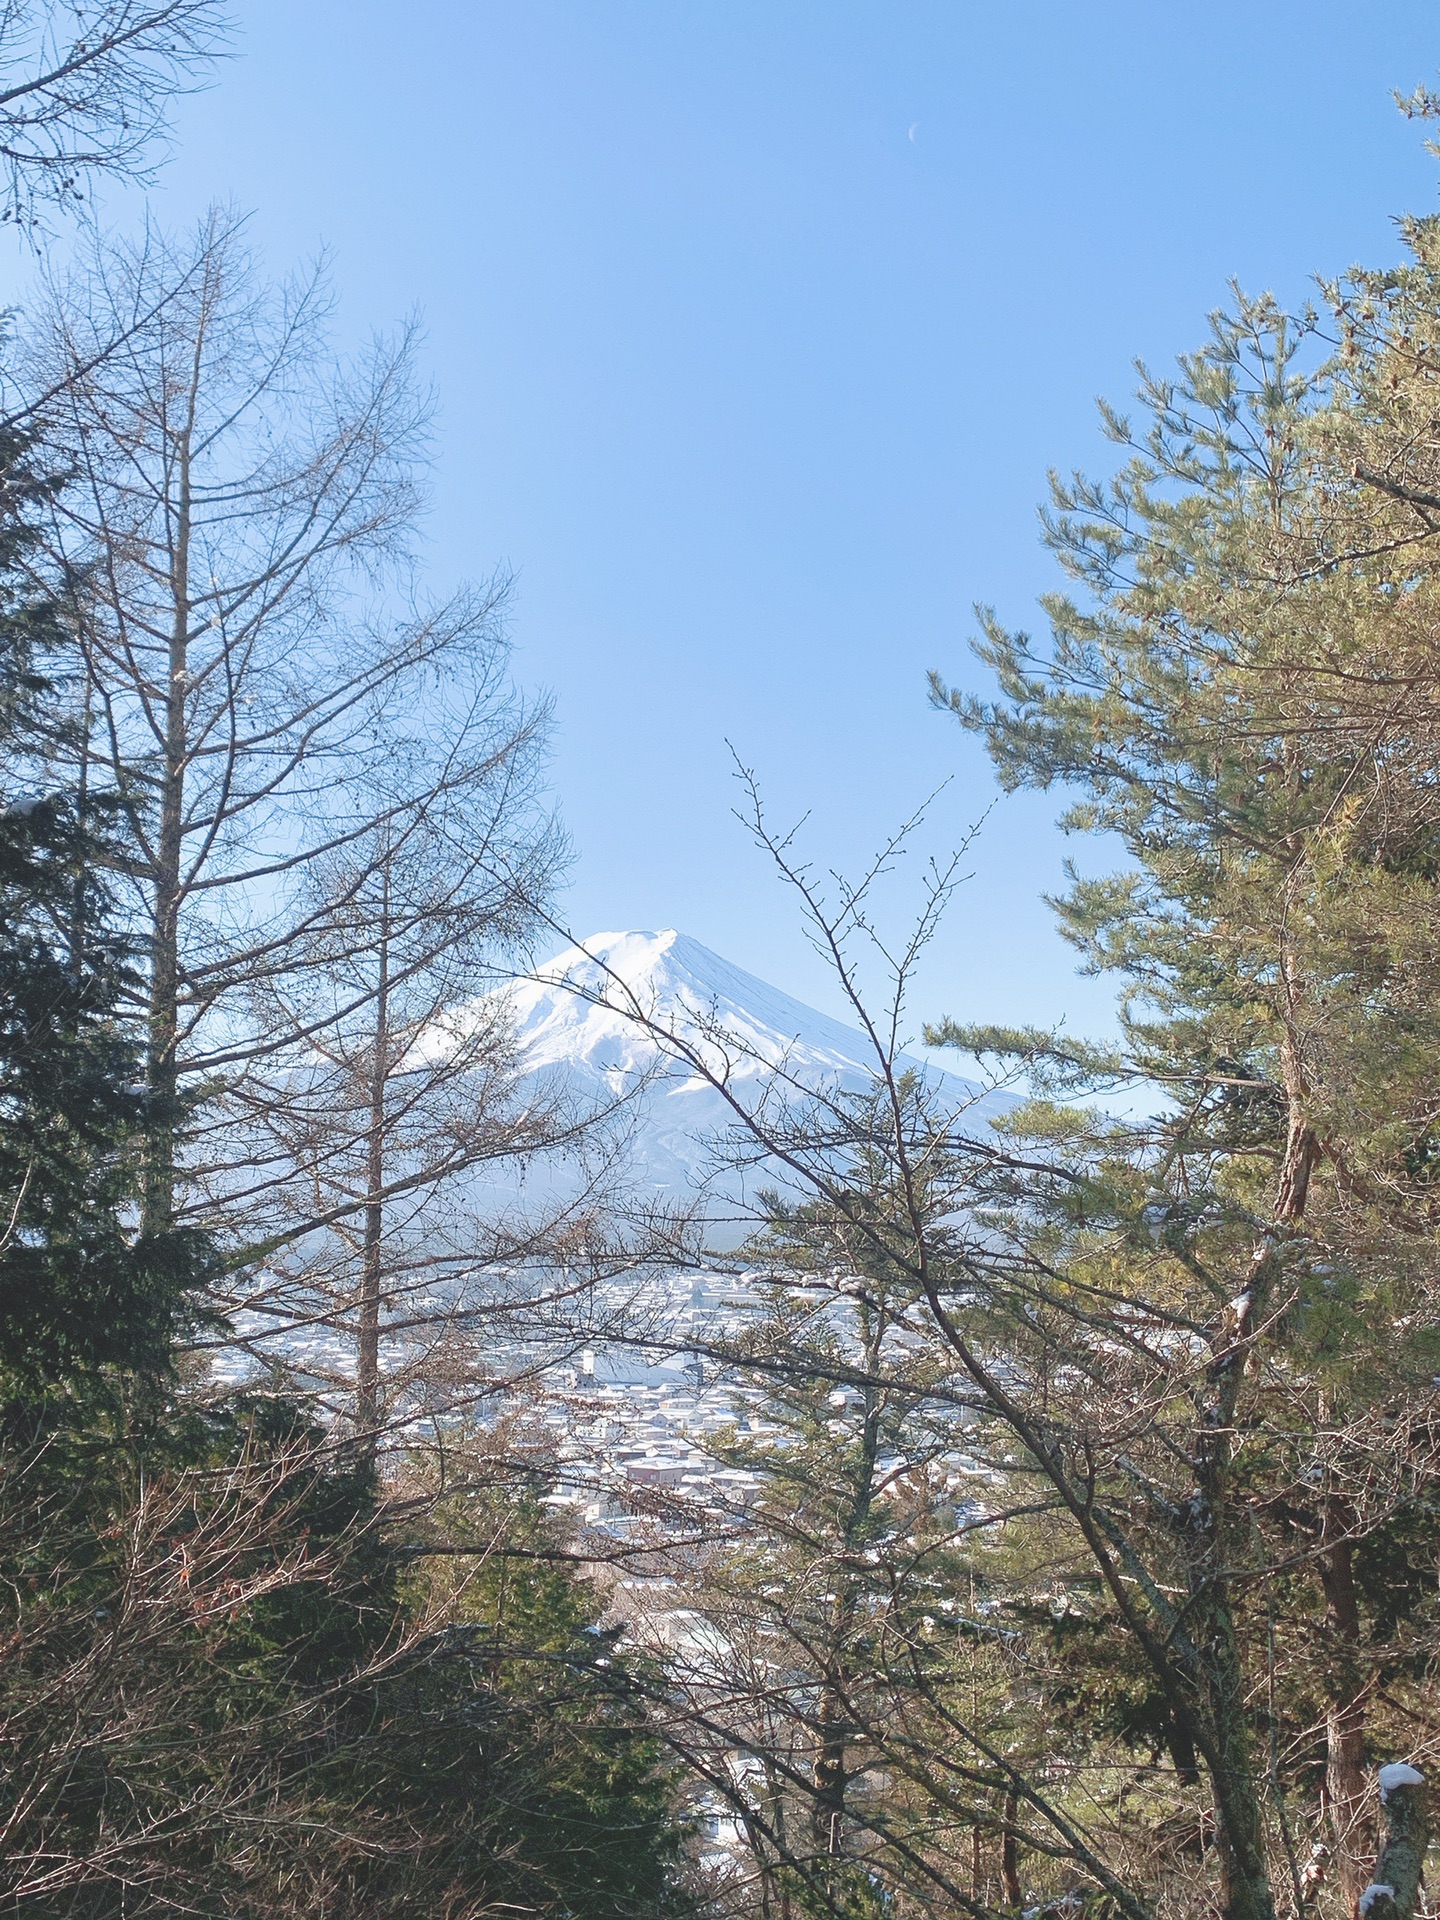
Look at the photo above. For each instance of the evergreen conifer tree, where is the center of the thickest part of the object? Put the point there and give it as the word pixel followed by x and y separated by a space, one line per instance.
pixel 81 1285
pixel 1221 694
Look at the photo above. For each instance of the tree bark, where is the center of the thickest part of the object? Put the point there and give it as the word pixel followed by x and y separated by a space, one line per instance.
pixel 164 1000
pixel 367 1344
pixel 1246 1884
pixel 1345 1784
pixel 1214 1548
pixel 829 1771
pixel 1394 1894
pixel 1010 1854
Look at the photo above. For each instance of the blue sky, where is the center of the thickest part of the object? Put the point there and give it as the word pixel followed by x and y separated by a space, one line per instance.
pixel 755 326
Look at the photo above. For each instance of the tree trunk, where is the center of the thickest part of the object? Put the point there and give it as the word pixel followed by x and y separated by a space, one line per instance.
pixel 367 1344
pixel 164 1009
pixel 1246 1884
pixel 1229 1754
pixel 829 1772
pixel 831 1778
pixel 1394 1894
pixel 1239 1827
pixel 1182 1752
pixel 1345 1784
pixel 1214 1548
pixel 1010 1854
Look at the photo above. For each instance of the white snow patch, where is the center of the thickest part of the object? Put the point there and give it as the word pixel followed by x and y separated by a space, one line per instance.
pixel 1376 1890
pixel 1398 1774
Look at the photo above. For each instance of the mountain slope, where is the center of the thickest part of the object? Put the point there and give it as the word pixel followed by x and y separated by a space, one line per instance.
pixel 575 1027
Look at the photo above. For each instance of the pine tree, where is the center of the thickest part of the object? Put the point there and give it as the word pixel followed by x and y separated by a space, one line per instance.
pixel 1221 692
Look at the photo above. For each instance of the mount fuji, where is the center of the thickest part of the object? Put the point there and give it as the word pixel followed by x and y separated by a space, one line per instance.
pixel 575 1026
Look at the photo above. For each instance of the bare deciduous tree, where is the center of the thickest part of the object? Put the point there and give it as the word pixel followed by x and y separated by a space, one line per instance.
pixel 399 1123
pixel 85 90
pixel 241 505
pixel 333 798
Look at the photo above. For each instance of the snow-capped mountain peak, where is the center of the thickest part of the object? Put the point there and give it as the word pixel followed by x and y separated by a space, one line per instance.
pixel 598 1015
pixel 581 1008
